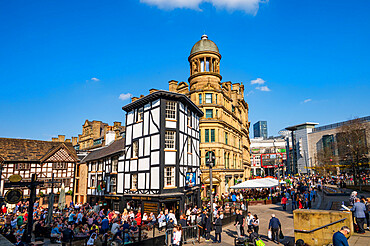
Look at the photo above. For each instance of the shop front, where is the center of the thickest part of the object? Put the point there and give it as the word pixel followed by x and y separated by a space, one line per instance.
pixel 178 202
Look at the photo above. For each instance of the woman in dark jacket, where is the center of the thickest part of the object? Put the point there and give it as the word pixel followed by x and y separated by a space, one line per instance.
pixel 218 229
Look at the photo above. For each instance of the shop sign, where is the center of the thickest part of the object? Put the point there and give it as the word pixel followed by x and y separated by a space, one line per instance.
pixel 111 197
pixel 13 196
pixel 141 198
pixel 190 179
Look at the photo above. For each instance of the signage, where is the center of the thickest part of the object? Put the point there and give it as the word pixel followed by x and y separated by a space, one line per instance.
pixel 255 151
pixel 111 197
pixel 13 196
pixel 150 207
pixel 190 179
pixel 15 178
pixel 271 160
pixel 141 198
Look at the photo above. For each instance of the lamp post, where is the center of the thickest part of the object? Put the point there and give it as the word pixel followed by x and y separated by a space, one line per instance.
pixel 210 161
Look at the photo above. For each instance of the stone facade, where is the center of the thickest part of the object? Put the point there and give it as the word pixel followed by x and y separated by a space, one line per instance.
pixel 94 134
pixel 224 127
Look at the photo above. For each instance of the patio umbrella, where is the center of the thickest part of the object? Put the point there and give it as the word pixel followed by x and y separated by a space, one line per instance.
pixel 62 198
pixel 257 183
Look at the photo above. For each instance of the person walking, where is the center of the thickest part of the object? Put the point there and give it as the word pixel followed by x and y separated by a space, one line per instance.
pixel 283 202
pixel 339 238
pixel 359 210
pixel 218 229
pixel 274 226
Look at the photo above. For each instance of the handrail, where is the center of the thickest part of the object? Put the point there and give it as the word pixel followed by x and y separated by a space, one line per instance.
pixel 321 227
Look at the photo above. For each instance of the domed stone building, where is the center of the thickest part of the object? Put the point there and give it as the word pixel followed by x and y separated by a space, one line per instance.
pixel 224 127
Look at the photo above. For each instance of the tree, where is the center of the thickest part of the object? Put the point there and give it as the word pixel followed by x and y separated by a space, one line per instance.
pixel 326 160
pixel 353 148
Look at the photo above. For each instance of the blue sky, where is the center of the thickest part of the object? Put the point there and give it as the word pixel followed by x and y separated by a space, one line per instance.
pixel 309 59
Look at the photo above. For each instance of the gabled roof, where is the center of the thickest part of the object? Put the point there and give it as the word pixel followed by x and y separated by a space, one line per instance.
pixel 113 148
pixel 26 150
pixel 163 94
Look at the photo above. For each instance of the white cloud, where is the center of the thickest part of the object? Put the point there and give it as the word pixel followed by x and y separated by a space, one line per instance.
pixel 248 6
pixel 95 79
pixel 307 100
pixel 263 88
pixel 258 81
pixel 124 96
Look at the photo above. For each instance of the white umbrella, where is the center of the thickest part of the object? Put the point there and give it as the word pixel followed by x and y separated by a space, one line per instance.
pixel 257 183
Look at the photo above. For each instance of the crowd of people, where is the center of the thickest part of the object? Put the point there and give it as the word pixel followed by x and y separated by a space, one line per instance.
pixel 96 222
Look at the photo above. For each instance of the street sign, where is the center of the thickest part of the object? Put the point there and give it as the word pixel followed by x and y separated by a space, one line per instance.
pixel 13 196
pixel 15 178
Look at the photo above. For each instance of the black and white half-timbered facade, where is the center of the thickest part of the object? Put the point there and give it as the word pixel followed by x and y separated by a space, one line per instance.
pixel 161 164
pixel 43 158
pixel 102 167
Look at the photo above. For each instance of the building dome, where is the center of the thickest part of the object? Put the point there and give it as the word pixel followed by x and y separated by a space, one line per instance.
pixel 204 45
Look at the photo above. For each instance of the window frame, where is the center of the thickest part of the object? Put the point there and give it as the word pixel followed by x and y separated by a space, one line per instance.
pixel 213 136
pixel 135 149
pixel 171 108
pixel 206 135
pixel 208 98
pixel 140 115
pixel 134 181
pixel 207 113
pixel 170 140
pixel 170 178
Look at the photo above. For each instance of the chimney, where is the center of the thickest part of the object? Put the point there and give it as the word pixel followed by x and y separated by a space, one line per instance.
pixel 61 138
pixel 173 85
pixel 133 99
pixel 54 139
pixel 152 91
pixel 68 140
pixel 236 87
pixel 74 140
pixel 110 136
pixel 117 123
pixel 141 96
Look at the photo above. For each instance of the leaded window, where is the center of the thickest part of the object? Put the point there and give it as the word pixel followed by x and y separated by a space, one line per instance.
pixel 135 149
pixel 134 181
pixel 170 140
pixel 170 110
pixel 169 177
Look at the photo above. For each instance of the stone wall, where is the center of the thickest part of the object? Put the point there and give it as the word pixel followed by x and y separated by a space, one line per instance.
pixel 311 219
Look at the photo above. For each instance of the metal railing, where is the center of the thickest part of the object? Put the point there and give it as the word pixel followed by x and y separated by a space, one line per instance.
pixel 190 234
pixel 321 227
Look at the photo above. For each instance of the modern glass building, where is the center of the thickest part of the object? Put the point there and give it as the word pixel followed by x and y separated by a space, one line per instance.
pixel 260 129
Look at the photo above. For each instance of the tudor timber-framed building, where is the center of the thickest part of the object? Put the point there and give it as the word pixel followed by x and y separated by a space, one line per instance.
pixel 44 158
pixel 162 148
pixel 225 126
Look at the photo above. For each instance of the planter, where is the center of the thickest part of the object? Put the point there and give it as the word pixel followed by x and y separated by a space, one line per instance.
pixel 260 202
pixel 268 202
pixel 252 203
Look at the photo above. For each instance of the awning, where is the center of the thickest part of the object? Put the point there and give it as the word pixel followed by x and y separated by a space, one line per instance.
pixel 257 183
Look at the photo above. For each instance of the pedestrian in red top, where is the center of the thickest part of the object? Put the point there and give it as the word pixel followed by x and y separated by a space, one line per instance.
pixel 283 202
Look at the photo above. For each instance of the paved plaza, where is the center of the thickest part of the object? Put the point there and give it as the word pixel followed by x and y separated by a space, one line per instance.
pixel 286 219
